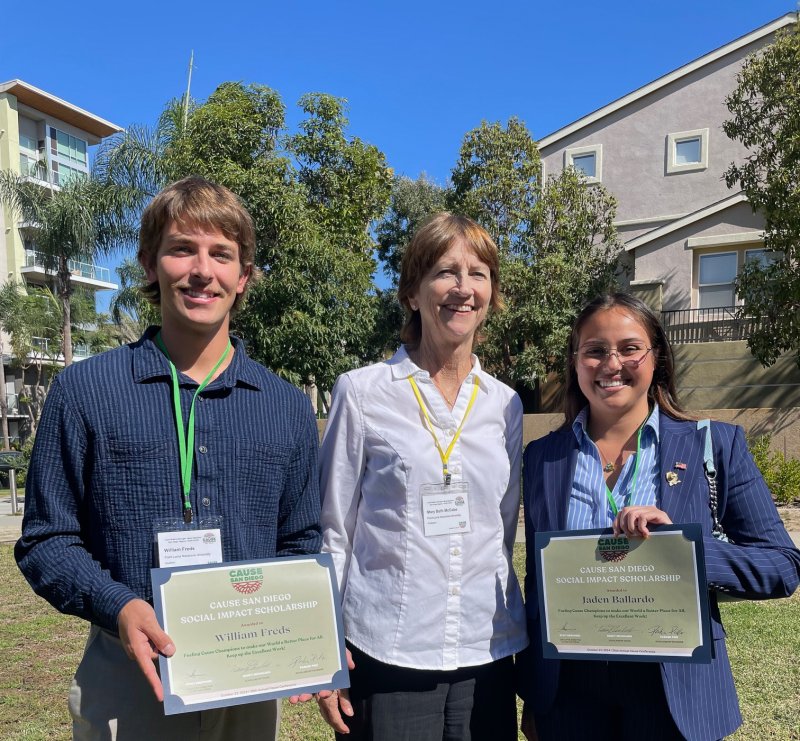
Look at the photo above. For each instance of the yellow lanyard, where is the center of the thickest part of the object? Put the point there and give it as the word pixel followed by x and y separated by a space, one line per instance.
pixel 444 454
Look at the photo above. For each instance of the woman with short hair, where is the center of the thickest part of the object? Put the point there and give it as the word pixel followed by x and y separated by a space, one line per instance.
pixel 420 471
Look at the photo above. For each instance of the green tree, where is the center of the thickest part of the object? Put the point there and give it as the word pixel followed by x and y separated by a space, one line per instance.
pixel 557 244
pixel 32 318
pixel 496 181
pixel 81 220
pixel 765 117
pixel 312 194
pixel 131 312
pixel 412 201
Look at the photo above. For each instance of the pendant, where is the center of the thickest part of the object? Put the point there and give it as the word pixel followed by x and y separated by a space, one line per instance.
pixel 608 468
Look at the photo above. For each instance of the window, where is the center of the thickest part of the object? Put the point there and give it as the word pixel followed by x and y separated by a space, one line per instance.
pixel 588 160
pixel 31 167
pixel 687 151
pixel 717 272
pixel 761 256
pixel 586 163
pixel 62 174
pixel 27 142
pixel 67 147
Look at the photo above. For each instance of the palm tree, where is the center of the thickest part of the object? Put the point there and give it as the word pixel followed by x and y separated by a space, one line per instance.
pixel 82 220
pixel 131 312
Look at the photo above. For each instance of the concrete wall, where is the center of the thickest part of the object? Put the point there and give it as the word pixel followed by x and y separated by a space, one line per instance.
pixel 718 375
pixel 782 424
pixel 724 375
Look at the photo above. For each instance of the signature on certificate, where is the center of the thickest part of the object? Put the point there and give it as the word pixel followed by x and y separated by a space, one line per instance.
pixel 619 628
pixel 307 661
pixel 673 632
pixel 251 666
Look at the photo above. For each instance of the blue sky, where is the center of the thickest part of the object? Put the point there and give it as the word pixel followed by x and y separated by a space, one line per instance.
pixel 417 75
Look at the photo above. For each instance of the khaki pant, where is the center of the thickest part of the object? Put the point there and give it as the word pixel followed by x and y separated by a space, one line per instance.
pixel 110 700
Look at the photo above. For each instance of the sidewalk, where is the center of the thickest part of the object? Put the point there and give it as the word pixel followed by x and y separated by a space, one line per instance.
pixel 10 525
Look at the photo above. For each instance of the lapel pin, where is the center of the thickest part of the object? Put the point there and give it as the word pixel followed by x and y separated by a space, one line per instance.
pixel 680 466
pixel 672 478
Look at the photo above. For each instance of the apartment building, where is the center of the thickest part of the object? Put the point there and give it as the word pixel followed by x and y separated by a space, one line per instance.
pixel 48 140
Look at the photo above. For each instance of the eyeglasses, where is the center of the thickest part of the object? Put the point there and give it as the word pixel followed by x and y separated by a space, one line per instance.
pixel 629 356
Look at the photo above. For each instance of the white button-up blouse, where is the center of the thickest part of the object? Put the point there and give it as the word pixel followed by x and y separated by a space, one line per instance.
pixel 438 602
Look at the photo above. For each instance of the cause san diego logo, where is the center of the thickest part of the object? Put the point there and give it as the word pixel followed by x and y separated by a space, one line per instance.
pixel 246 580
pixel 613 549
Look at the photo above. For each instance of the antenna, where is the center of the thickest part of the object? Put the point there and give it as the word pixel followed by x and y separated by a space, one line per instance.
pixel 188 88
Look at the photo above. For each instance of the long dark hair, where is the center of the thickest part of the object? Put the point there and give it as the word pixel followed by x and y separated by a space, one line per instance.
pixel 662 388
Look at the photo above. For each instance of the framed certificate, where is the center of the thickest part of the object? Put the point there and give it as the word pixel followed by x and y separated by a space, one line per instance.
pixel 637 599
pixel 249 631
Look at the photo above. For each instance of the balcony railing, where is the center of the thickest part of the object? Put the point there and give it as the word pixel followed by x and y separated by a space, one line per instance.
pixel 83 269
pixel 12 403
pixel 685 326
pixel 80 350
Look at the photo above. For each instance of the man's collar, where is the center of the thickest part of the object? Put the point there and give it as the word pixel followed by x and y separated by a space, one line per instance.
pixel 149 362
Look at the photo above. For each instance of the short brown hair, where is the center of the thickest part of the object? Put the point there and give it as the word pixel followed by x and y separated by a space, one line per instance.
pixel 430 242
pixel 200 203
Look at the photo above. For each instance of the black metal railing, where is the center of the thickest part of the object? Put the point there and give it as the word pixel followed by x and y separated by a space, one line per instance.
pixel 684 326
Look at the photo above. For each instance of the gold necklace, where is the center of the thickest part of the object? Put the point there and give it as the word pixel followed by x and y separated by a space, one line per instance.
pixel 608 466
pixel 448 401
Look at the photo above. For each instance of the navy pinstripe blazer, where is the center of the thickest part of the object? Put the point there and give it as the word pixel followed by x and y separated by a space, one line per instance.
pixel 760 563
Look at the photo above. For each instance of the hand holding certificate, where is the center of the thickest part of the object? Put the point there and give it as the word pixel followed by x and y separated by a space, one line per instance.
pixel 609 597
pixel 249 631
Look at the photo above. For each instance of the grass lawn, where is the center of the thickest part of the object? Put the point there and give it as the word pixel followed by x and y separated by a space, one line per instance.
pixel 40 650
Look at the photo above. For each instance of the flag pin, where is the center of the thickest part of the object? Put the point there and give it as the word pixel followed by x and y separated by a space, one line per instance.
pixel 680 466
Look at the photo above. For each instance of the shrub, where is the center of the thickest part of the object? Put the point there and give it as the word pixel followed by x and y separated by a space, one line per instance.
pixel 22 469
pixel 782 474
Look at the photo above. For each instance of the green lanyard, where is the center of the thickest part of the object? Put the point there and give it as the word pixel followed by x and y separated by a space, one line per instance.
pixel 186 442
pixel 444 454
pixel 632 487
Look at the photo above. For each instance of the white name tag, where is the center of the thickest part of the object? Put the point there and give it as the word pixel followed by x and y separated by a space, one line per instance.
pixel 189 547
pixel 445 508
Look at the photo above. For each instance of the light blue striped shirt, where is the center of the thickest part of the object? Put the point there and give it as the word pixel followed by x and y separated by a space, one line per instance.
pixel 588 503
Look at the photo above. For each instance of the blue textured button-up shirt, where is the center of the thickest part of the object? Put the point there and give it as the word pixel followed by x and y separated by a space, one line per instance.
pixel 105 467
pixel 588 504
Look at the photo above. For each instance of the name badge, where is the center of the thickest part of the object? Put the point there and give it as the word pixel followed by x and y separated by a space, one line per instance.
pixel 445 508
pixel 189 547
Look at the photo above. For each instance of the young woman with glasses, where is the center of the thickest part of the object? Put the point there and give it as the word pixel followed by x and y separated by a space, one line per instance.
pixel 629 457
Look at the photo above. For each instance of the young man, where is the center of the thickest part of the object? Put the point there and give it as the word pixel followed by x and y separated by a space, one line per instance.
pixel 108 474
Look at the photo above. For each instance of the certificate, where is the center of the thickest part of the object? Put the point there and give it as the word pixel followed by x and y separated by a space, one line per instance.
pixel 631 599
pixel 249 631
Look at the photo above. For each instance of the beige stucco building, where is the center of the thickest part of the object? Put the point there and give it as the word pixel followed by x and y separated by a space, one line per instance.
pixel 662 152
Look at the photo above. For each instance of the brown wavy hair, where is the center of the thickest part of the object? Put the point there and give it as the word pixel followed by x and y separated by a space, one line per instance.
pixel 662 388
pixel 200 203
pixel 430 242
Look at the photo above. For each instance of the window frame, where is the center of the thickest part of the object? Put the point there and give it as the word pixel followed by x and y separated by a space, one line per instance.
pixel 597 150
pixel 731 283
pixel 679 136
